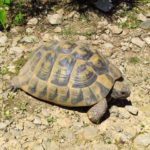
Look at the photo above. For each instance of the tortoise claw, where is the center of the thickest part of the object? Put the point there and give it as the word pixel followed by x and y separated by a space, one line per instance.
pixel 13 88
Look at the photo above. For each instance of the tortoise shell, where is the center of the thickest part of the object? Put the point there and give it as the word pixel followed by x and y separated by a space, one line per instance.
pixel 68 74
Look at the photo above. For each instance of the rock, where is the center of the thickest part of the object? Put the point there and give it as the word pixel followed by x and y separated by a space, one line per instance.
pixel 145 24
pixel 57 29
pixel 148 15
pixel 20 126
pixel 3 125
pixel 101 24
pixel 88 133
pixel 138 42
pixel 64 122
pixel 46 37
pixel 147 40
pixel 29 39
pixel 105 5
pixel 114 111
pixel 37 147
pixel 141 17
pixel 104 147
pixel 33 21
pixel 52 145
pixel 29 30
pixel 82 38
pixel 108 46
pixel 11 68
pixel 55 19
pixel 132 110
pixel 71 14
pixel 17 51
pixel 3 40
pixel 123 113
pixel 45 112
pixel 37 121
pixel 142 141
pixel 15 41
pixel 115 29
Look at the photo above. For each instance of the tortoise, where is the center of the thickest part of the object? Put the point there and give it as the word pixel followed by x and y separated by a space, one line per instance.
pixel 74 75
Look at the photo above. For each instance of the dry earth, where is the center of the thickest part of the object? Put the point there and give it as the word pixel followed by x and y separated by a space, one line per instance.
pixel 29 124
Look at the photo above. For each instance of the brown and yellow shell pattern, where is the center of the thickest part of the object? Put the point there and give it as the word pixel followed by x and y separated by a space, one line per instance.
pixel 68 74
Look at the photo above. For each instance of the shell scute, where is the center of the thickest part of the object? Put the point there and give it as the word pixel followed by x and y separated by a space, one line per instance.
pixel 46 66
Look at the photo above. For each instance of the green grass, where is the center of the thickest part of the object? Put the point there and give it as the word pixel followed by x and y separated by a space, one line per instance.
pixel 4 71
pixel 68 32
pixel 132 22
pixel 134 60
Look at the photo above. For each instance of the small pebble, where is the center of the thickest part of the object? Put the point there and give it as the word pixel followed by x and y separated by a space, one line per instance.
pixel 37 121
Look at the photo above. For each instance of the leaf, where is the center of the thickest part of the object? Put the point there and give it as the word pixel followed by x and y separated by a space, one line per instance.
pixel 7 2
pixel 3 15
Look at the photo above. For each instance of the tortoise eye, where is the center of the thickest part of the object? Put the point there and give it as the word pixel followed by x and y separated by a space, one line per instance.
pixel 123 93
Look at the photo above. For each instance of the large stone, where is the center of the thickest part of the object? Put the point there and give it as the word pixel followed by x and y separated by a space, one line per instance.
pixel 55 19
pixel 138 42
pixel 33 21
pixel 88 133
pixel 104 5
pixel 115 29
pixel 3 125
pixel 142 141
pixel 145 24
pixel 141 17
pixel 17 51
pixel 147 40
pixel 3 40
pixel 29 39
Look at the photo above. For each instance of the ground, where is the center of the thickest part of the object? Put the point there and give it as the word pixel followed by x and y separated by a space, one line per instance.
pixel 29 124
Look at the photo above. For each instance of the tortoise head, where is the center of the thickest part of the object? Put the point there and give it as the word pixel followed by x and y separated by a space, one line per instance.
pixel 120 90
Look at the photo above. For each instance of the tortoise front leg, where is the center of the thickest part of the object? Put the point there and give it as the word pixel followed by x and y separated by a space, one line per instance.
pixel 97 111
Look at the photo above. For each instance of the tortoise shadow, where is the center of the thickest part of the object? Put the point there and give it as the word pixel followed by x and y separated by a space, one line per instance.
pixel 113 102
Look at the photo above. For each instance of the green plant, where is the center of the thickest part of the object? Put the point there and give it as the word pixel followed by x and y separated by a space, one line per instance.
pixel 67 32
pixel 19 18
pixel 134 60
pixel 51 119
pixel 85 124
pixel 4 70
pixel 23 106
pixel 132 21
pixel 7 114
pixel 4 6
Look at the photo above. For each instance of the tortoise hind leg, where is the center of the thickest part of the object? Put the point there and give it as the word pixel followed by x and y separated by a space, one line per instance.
pixel 15 84
pixel 97 111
